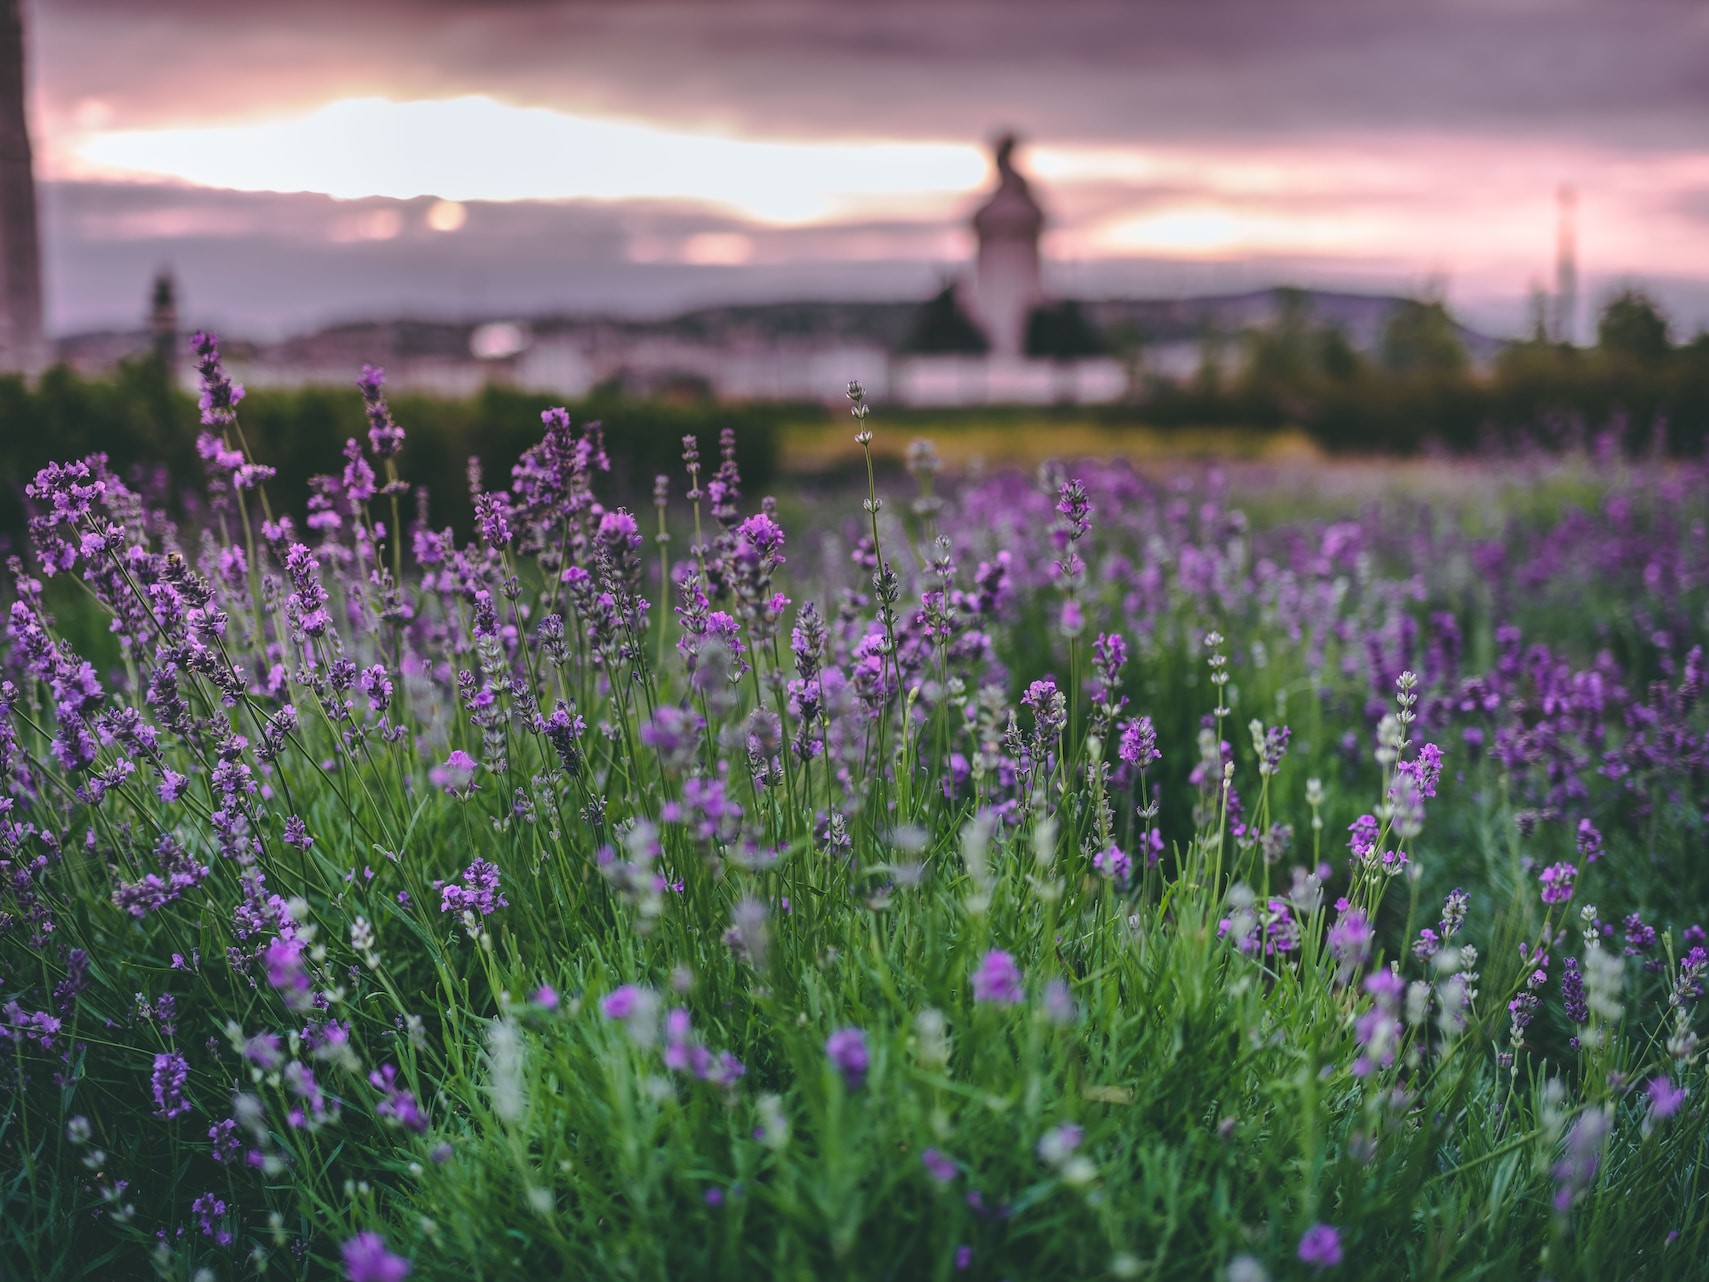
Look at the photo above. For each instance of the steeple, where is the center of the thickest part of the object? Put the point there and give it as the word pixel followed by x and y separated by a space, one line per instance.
pixel 22 347
pixel 1007 282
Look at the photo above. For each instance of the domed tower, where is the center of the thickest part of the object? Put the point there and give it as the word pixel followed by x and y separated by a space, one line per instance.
pixel 1007 283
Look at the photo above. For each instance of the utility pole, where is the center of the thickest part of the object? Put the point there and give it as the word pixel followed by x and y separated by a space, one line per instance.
pixel 1566 266
pixel 23 348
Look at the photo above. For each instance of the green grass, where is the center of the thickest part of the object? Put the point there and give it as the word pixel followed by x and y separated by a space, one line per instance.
pixel 1222 1101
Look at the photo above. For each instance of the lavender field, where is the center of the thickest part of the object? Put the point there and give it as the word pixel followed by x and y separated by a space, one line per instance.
pixel 1085 873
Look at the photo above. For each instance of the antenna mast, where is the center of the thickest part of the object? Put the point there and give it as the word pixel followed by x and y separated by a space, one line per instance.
pixel 1566 267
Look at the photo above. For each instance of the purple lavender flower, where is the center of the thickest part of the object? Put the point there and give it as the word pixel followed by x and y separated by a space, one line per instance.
pixel 1557 883
pixel 287 972
pixel 1689 986
pixel 673 733
pixel 479 893
pixel 358 478
pixel 367 1260
pixel 1350 942
pixel 385 437
pixel 457 775
pixel 1115 864
pixel 1109 656
pixel 1577 1169
pixel 637 1009
pixel 1072 621
pixel 1364 833
pixel 939 1167
pixel 209 1210
pixel 1075 508
pixel 376 683
pixel 1573 995
pixel 1640 939
pixel 220 396
pixel 40 1027
pixel 564 730
pixel 171 1072
pixel 619 529
pixel 398 1105
pixel 222 1136
pixel 1138 745
pixel 1272 748
pixel 846 1049
pixel 998 980
pixel 1665 1097
pixel 1379 1029
pixel 1320 1246
pixel 1425 771
pixel 1049 708
pixel 1589 841
pixel 763 532
pixel 492 517
pixel 265 1049
pixel 308 597
pixel 622 1003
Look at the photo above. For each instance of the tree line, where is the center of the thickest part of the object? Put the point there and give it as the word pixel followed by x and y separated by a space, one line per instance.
pixel 1420 386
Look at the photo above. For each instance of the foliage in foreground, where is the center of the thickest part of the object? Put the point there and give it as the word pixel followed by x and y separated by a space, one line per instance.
pixel 1072 881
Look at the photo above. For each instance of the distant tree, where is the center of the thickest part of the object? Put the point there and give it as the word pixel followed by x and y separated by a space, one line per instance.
pixel 1126 341
pixel 1336 356
pixel 1283 354
pixel 1632 324
pixel 942 328
pixel 1537 312
pixel 1061 332
pixel 1209 379
pixel 1422 338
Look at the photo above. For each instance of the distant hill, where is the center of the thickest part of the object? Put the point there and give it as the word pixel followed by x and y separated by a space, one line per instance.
pixel 812 323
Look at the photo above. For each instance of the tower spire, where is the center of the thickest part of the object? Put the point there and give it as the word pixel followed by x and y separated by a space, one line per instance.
pixel 22 347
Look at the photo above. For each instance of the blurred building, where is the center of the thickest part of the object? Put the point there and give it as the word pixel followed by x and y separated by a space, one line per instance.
pixel 1007 281
pixel 991 335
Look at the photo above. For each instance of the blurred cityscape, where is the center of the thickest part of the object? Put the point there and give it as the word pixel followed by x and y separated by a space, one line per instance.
pixel 1001 321
pixel 991 335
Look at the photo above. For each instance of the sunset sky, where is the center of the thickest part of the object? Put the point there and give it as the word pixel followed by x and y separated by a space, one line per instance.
pixel 311 160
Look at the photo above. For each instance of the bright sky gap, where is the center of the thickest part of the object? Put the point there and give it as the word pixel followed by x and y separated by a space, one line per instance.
pixel 477 148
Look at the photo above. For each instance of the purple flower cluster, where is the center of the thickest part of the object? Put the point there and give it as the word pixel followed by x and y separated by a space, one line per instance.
pixel 477 895
pixel 1557 883
pixel 997 980
pixel 366 1259
pixel 1320 1246
pixel 269 671
pixel 847 1050
pixel 170 1076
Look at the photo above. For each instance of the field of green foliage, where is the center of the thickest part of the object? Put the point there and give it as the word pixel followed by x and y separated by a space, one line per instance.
pixel 1073 874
